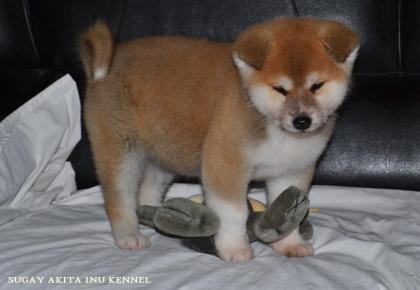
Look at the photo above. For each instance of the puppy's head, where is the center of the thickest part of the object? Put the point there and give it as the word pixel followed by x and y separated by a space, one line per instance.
pixel 296 70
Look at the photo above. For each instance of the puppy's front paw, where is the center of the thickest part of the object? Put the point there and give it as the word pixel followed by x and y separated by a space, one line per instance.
pixel 293 246
pixel 234 250
pixel 132 241
pixel 293 250
pixel 236 254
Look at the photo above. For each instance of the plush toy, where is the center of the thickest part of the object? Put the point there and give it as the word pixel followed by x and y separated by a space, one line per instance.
pixel 196 224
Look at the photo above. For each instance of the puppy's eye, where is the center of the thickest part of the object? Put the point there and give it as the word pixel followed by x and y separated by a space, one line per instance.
pixel 281 90
pixel 316 86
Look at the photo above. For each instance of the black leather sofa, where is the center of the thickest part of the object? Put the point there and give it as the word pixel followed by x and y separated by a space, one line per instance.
pixel 377 141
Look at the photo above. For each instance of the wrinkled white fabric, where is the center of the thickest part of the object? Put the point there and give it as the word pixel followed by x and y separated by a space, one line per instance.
pixel 364 238
pixel 35 142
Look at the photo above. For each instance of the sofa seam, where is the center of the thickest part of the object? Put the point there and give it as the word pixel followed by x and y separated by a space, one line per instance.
pixel 400 66
pixel 29 28
pixel 294 7
pixel 117 22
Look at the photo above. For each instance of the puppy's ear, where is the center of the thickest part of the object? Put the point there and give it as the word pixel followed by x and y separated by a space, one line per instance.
pixel 340 41
pixel 252 47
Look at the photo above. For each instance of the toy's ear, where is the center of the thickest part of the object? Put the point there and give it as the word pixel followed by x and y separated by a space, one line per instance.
pixel 252 47
pixel 340 41
pixel 283 215
pixel 184 218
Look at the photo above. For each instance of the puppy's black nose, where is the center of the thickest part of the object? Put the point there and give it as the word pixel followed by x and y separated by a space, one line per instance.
pixel 302 122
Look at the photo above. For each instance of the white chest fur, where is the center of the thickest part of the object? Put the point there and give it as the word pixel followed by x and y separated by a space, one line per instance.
pixel 281 153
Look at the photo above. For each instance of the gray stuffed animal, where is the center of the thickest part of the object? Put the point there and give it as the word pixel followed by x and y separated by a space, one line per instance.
pixel 196 224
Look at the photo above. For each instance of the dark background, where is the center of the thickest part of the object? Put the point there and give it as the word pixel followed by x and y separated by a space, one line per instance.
pixel 376 143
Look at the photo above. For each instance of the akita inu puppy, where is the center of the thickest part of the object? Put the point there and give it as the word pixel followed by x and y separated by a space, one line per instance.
pixel 260 108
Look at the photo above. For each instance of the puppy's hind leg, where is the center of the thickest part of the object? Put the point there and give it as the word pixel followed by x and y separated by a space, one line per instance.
pixel 120 170
pixel 153 185
pixel 125 223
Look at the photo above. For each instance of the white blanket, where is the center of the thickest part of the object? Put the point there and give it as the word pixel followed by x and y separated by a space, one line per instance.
pixel 50 232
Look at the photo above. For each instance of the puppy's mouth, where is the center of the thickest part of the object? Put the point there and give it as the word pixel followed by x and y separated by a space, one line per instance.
pixel 315 128
pixel 292 130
